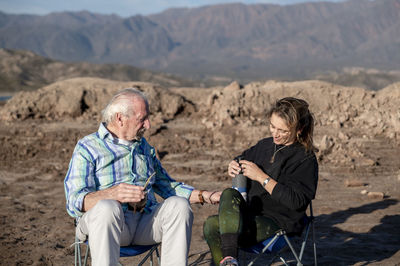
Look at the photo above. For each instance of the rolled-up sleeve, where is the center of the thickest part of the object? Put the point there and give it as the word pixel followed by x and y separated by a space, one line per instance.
pixel 165 186
pixel 79 180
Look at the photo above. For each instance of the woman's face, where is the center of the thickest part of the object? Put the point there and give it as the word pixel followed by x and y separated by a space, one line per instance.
pixel 280 131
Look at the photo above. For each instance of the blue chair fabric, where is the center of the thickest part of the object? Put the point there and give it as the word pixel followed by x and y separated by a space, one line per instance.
pixel 275 246
pixel 131 251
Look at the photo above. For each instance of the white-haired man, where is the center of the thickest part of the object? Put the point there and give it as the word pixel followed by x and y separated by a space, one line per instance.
pixel 111 183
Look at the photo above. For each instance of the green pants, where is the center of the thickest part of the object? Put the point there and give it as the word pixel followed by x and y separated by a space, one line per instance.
pixel 232 219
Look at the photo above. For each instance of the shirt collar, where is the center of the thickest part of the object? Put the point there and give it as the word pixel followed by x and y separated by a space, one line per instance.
pixel 105 134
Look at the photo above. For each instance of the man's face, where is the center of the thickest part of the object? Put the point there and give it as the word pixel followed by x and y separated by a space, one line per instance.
pixel 133 127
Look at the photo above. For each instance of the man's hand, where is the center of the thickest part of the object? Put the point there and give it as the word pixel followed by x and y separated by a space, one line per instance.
pixel 208 196
pixel 126 193
pixel 122 192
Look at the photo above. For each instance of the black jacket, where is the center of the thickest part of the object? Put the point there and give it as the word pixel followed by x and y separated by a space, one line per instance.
pixel 296 172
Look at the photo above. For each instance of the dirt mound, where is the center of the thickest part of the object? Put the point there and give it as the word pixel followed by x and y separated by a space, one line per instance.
pixel 236 115
pixel 233 114
pixel 333 105
pixel 85 98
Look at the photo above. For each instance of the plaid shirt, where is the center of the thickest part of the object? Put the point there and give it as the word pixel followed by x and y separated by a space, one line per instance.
pixel 99 162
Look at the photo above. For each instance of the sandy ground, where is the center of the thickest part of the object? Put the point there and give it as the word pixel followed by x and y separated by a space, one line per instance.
pixel 351 228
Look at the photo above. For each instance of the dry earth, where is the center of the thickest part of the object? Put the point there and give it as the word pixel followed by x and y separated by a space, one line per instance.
pixel 196 132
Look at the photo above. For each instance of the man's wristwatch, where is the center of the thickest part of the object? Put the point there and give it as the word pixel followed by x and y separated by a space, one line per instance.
pixel 266 181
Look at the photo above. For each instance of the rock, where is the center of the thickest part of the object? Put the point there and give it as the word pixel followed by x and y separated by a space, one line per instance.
pixel 367 162
pixel 234 86
pixel 326 144
pixel 376 195
pixel 343 136
pixel 354 183
pixel 336 124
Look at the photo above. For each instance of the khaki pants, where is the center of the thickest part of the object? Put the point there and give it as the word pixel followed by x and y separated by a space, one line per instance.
pixel 108 228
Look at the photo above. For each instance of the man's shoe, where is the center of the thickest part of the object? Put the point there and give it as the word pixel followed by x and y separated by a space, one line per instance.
pixel 228 261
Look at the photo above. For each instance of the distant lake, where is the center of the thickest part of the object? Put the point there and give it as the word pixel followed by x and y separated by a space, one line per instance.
pixel 4 98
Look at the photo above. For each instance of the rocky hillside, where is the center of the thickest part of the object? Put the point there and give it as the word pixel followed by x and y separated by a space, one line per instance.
pixel 372 79
pixel 23 70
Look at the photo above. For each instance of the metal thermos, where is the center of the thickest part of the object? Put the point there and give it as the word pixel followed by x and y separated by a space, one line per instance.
pixel 239 182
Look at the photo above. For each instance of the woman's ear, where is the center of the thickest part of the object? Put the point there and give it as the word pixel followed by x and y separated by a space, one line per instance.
pixel 298 133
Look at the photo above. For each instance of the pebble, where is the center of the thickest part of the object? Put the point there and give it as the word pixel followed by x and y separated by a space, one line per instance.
pixel 376 195
pixel 353 183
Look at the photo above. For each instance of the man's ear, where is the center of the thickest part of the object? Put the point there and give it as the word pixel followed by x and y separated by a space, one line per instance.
pixel 118 119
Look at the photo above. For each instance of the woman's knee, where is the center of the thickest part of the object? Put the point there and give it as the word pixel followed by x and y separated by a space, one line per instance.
pixel 229 193
pixel 230 197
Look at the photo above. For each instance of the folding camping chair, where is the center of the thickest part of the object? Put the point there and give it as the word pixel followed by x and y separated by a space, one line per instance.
pixel 281 240
pixel 128 251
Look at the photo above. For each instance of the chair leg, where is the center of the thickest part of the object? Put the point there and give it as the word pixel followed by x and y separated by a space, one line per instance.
pixel 303 245
pixel 150 253
pixel 77 252
pixel 314 244
pixel 283 261
pixel 158 257
pixel 313 234
pixel 293 251
pixel 265 248
pixel 86 255
pixel 78 260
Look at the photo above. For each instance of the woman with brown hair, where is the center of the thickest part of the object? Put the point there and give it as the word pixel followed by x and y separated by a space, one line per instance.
pixel 282 176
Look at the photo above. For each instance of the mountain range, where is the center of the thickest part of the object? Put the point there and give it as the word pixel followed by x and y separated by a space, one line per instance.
pixel 245 42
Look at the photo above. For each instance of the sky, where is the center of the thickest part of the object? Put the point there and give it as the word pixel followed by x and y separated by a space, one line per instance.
pixel 123 8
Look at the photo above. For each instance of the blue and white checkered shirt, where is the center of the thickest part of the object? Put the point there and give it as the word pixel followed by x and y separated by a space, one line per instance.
pixel 99 161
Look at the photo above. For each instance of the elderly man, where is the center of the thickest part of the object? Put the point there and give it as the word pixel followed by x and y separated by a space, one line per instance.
pixel 110 186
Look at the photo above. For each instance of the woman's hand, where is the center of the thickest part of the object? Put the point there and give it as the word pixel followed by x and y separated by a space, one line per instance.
pixel 233 168
pixel 252 171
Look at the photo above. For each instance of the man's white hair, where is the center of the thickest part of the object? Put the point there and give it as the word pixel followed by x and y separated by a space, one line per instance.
pixel 121 103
